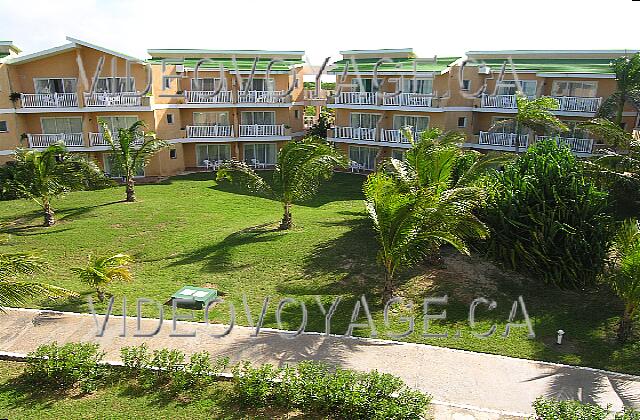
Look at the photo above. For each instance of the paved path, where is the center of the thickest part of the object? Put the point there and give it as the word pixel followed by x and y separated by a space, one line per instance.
pixel 489 386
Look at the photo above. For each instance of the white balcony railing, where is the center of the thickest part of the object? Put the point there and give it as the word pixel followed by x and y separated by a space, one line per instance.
pixel 97 139
pixel 407 99
pixel 197 131
pixel 112 99
pixel 46 140
pixel 49 100
pixel 503 139
pixel 499 101
pixel 575 144
pixel 355 133
pixel 207 97
pixel 258 130
pixel 356 98
pixel 577 104
pixel 263 97
pixel 397 136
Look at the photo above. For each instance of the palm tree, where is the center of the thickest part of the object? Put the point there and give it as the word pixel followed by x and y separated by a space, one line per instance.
pixel 627 71
pixel 45 175
pixel 302 165
pixel 624 277
pixel 14 292
pixel 102 271
pixel 424 202
pixel 534 115
pixel 131 150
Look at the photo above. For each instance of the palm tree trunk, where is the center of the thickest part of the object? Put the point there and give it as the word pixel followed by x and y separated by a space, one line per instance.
pixel 286 222
pixel 49 216
pixel 620 109
pixel 625 326
pixel 388 286
pixel 131 194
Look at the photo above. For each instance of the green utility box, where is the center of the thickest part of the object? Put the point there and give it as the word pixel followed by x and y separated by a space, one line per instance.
pixel 199 297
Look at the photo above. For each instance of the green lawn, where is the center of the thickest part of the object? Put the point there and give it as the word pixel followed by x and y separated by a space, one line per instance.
pixel 190 230
pixel 120 400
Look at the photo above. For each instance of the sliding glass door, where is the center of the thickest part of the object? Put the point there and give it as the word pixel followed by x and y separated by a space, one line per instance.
pixel 261 152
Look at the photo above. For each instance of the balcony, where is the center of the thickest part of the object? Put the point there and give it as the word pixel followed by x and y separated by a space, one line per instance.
pixel 397 136
pixel 208 131
pixel 259 130
pixel 207 97
pixel 355 133
pixel 49 100
pixel 109 99
pixel 263 97
pixel 97 139
pixel 46 140
pixel 356 98
pixel 503 139
pixel 498 101
pixel 407 99
pixel 575 144
pixel 577 104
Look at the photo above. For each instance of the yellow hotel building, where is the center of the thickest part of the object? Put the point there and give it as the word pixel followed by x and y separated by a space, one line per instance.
pixel 213 105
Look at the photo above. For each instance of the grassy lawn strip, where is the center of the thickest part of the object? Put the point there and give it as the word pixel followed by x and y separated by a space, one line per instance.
pixel 190 230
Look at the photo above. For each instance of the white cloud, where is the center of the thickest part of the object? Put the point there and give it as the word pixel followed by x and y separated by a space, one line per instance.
pixel 323 28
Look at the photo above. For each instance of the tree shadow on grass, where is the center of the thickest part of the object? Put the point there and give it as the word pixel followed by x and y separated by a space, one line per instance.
pixel 26 225
pixel 218 257
pixel 25 392
pixel 341 187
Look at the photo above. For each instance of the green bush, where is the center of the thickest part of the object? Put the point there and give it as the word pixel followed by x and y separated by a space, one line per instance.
pixel 66 366
pixel 551 409
pixel 311 386
pixel 168 368
pixel 547 219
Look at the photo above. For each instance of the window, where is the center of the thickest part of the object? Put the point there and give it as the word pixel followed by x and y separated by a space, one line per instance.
pixel 466 85
pixel 262 152
pixel 211 118
pixel 508 87
pixel 111 168
pixel 47 86
pixel 365 156
pixel 423 86
pixel 417 123
pixel 363 120
pixel 262 84
pixel 212 153
pixel 173 154
pixel 575 131
pixel 3 127
pixel 115 84
pixel 367 85
pixel 296 114
pixel 398 154
pixel 169 118
pixel 258 117
pixel 462 122
pixel 508 127
pixel 209 84
pixel 68 125
pixel 579 89
pixel 117 122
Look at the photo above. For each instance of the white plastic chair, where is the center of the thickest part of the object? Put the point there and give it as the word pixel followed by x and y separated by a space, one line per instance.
pixel 257 164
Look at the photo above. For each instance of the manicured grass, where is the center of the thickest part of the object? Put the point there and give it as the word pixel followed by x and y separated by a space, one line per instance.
pixel 119 400
pixel 191 230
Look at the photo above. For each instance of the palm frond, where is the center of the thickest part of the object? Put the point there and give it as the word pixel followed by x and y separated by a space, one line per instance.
pixel 241 174
pixel 18 293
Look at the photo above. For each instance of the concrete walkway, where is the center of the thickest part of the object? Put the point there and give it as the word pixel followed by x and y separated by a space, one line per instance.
pixel 465 385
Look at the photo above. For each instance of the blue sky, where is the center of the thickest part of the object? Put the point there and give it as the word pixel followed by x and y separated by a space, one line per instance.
pixel 323 28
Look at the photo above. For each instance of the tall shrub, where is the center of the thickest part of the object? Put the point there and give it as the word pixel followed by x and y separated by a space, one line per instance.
pixel 547 219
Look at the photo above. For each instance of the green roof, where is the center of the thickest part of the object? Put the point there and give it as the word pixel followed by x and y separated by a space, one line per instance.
pixel 557 65
pixel 397 64
pixel 242 63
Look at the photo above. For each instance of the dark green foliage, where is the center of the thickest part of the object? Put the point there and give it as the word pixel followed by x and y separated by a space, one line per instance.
pixel 63 367
pixel 551 409
pixel 311 386
pixel 547 219
pixel 325 122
